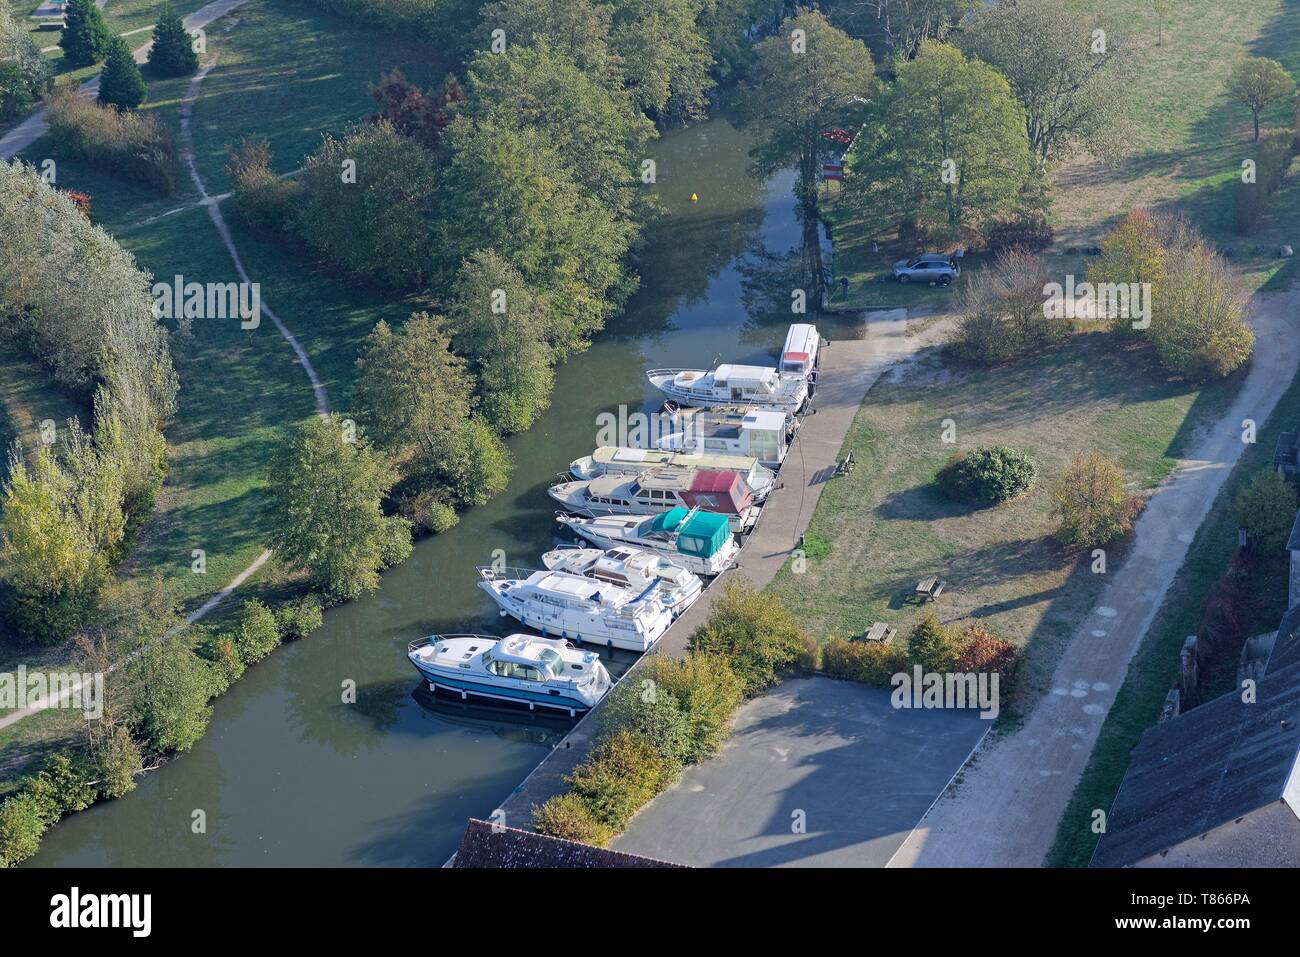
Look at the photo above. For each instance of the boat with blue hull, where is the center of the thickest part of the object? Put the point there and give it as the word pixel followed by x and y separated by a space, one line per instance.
pixel 537 672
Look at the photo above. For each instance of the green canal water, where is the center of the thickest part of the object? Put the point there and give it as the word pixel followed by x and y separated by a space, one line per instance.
pixel 288 774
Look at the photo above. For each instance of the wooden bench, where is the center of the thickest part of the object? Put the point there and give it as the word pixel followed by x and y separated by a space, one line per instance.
pixel 846 466
pixel 930 588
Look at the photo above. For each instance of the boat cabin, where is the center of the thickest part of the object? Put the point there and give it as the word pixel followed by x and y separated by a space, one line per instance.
pixel 700 534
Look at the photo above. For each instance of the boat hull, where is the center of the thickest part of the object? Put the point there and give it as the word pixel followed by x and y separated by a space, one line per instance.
pixel 466 686
pixel 708 567
pixel 580 627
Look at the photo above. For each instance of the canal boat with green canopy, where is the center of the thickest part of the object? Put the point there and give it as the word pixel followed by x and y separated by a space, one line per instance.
pixel 699 541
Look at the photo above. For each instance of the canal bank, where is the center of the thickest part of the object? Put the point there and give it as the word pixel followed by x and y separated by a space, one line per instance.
pixel 849 368
pixel 290 774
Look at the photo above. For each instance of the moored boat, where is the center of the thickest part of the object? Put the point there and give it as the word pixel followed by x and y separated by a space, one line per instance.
pixel 574 606
pixel 699 541
pixel 633 567
pixel 732 384
pixel 659 490
pixel 539 672
pixel 615 460
pixel 763 434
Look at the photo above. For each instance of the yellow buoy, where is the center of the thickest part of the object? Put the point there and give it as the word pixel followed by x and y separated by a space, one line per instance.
pixel 694 198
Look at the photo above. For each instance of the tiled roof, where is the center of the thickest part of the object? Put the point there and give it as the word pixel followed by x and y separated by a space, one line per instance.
pixel 487 846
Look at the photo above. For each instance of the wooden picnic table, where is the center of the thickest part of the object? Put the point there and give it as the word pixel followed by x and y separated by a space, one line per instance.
pixel 880 631
pixel 930 587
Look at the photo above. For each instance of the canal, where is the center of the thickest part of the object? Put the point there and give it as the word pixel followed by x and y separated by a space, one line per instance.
pixel 288 774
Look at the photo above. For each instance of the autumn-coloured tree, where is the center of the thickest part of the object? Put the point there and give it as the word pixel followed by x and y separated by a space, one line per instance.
pixel 1257 83
pixel 1092 502
pixel 414 113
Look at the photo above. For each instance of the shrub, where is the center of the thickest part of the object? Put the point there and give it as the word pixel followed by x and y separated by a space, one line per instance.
pixel 170 706
pixel 1266 508
pixel 227 666
pixel 21 826
pixel 62 786
pixel 873 663
pixel 810 654
pixel 262 199
pixel 979 650
pixel 258 633
pixel 116 759
pixel 24 71
pixel 1092 502
pixel 427 512
pixel 1032 233
pixel 127 144
pixel 932 645
pixel 754 632
pixel 1002 312
pixel 567 816
pixel 641 706
pixel 299 618
pixel 621 776
pixel 708 692
pixel 1132 252
pixel 1198 320
pixel 988 475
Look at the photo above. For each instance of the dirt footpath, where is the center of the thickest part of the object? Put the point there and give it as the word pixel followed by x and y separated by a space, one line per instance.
pixel 1005 806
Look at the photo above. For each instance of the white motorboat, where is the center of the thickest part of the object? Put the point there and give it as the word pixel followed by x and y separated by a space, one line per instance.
pixel 539 672
pixel 578 607
pixel 701 542
pixel 732 385
pixel 763 434
pixel 614 460
pixel 659 490
pixel 801 352
pixel 633 567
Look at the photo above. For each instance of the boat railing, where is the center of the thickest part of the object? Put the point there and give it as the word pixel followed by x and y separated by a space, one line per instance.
pixel 650 373
pixel 499 572
pixel 434 639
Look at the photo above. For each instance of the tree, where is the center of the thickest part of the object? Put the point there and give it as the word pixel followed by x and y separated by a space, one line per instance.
pixel 21 827
pixel 121 85
pixel 49 567
pixel 24 71
pixel 806 81
pixel 932 645
pixel 412 112
pixel 258 633
pixel 665 57
pixel 170 705
pixel 1092 502
pixel 945 146
pixel 592 126
pixel 86 38
pixel 173 52
pixel 1266 508
pixel 477 465
pixel 500 323
pixel 895 29
pixel 1070 88
pixel 566 243
pixel 1198 323
pixel 366 203
pixel 1162 10
pixel 1257 83
pixel 326 489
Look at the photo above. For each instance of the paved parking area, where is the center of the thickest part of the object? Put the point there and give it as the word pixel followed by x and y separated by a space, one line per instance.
pixel 836 755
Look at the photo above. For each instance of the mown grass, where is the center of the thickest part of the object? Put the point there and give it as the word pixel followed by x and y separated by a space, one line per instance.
pixel 1155 665
pixel 1182 145
pixel 887 524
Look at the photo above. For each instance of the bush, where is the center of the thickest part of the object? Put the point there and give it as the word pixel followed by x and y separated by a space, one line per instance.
pixel 258 634
pixel 1092 502
pixel 170 705
pixel 427 512
pixel 988 475
pixel 621 776
pixel 116 760
pixel 1198 323
pixel 299 618
pixel 932 645
pixel 24 71
pixel 261 199
pixel 1031 233
pixel 227 666
pixel 21 826
pixel 61 787
pixel 1002 312
pixel 1266 508
pixel 754 632
pixel 708 692
pixel 127 144
pixel 1133 252
pixel 810 654
pixel 981 651
pixel 567 816
pixel 641 706
pixel 871 662
pixel 120 84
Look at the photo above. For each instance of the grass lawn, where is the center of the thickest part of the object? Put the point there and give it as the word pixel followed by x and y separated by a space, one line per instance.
pixel 1154 668
pixel 1185 141
pixel 886 525
pixel 288 72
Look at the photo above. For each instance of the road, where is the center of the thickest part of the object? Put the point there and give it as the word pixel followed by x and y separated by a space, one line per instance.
pixel 1004 809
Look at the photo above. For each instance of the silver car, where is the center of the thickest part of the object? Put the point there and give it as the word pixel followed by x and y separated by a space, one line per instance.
pixel 931 267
